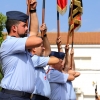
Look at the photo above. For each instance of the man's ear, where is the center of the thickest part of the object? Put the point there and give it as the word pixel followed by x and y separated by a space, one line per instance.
pixel 14 28
pixel 34 49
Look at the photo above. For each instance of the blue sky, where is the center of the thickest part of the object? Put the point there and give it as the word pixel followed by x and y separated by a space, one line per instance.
pixel 90 17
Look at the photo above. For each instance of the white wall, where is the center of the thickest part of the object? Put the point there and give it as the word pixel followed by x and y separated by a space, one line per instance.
pixel 89 69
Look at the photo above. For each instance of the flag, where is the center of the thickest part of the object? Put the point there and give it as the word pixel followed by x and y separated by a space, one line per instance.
pixel 75 12
pixel 62 6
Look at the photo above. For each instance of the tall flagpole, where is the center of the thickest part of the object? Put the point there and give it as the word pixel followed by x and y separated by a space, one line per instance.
pixel 28 12
pixel 73 22
pixel 71 19
pixel 72 31
pixel 58 25
pixel 69 31
pixel 58 29
pixel 43 15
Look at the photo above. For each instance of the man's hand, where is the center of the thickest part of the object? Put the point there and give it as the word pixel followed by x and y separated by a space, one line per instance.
pixel 72 52
pixel 66 48
pixel 33 4
pixel 43 28
pixel 58 41
pixel 71 72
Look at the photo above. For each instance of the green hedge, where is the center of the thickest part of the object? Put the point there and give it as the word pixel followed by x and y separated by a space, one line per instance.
pixel 2 27
pixel 1 75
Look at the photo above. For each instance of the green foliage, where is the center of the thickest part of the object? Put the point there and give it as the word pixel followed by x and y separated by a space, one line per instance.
pixel 2 26
pixel 1 38
pixel 1 74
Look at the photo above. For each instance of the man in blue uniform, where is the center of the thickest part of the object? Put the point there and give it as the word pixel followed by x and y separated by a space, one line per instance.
pixel 58 79
pixel 67 69
pixel 18 69
pixel 70 90
pixel 40 59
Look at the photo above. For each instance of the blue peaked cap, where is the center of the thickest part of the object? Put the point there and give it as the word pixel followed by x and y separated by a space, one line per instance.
pixel 59 55
pixel 17 15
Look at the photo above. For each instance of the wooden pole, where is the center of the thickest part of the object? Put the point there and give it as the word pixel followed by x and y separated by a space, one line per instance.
pixel 43 15
pixel 71 20
pixel 28 12
pixel 58 29
pixel 58 25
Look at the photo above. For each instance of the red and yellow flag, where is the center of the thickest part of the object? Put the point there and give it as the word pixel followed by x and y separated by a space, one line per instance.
pixel 75 15
pixel 62 6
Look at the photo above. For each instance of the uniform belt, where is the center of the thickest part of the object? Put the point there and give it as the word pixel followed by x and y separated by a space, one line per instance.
pixel 39 97
pixel 17 93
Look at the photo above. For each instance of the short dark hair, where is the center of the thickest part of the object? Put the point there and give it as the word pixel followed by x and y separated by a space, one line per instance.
pixel 10 23
pixel 59 55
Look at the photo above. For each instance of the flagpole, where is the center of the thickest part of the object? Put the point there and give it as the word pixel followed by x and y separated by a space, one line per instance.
pixel 28 12
pixel 43 15
pixel 61 9
pixel 71 21
pixel 74 24
pixel 58 25
pixel 58 29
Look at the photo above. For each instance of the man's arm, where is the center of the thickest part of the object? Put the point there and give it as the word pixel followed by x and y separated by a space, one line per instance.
pixel 47 46
pixel 53 60
pixel 72 70
pixel 73 62
pixel 66 65
pixel 34 24
pixel 46 43
pixel 43 61
pixel 70 77
pixel 33 41
pixel 59 46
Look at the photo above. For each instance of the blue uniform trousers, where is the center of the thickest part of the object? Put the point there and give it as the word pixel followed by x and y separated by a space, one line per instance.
pixel 39 97
pixel 7 96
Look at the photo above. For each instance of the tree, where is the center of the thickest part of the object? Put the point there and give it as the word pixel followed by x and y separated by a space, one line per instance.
pixel 2 26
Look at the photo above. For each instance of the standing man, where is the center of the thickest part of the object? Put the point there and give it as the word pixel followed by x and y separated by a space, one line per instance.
pixel 70 90
pixel 58 79
pixel 40 59
pixel 18 69
pixel 67 69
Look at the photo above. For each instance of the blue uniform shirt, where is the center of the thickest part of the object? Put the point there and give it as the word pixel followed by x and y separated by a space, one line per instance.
pixel 71 92
pixel 17 65
pixel 58 85
pixel 42 86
